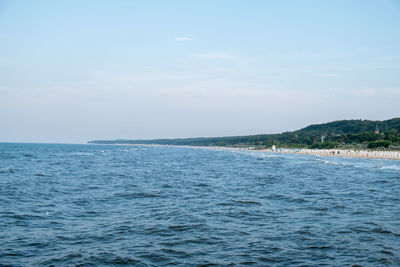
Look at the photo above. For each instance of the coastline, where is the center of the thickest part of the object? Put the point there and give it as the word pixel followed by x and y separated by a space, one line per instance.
pixel 371 154
pixel 346 153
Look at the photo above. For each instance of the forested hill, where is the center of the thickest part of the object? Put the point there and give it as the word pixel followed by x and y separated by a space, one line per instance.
pixel 350 133
pixel 352 126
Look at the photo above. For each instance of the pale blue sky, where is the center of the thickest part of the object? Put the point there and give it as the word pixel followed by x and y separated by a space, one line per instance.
pixel 71 71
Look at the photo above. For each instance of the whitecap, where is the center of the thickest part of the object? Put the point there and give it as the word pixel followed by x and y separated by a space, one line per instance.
pixel 81 154
pixel 268 156
pixel 336 163
pixel 390 167
pixel 330 162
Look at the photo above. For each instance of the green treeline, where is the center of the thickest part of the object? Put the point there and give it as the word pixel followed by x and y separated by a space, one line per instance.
pixel 344 133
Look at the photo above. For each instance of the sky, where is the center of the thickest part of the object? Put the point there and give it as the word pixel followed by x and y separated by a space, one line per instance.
pixel 73 71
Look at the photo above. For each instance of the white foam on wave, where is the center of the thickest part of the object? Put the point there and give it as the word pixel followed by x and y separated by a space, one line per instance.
pixel 331 162
pixel 372 164
pixel 58 154
pixel 81 154
pixel 390 167
pixel 129 149
pixel 256 154
pixel 267 156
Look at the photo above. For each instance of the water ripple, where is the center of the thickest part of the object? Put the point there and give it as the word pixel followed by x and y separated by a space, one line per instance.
pixel 78 205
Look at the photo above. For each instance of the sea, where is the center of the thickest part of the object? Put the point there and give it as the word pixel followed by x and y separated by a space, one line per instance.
pixel 105 205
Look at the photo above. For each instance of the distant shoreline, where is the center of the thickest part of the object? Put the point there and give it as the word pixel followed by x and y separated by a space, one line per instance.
pixel 346 153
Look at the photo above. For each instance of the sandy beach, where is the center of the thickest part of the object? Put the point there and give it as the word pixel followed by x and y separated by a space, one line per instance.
pixel 373 154
pixel 340 153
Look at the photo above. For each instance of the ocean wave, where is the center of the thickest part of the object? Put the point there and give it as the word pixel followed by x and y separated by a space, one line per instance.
pixel 81 154
pixel 7 170
pixel 331 162
pixel 169 205
pixel 136 195
pixel 390 167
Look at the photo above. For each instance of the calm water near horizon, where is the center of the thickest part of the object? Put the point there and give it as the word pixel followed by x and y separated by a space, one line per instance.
pixel 96 205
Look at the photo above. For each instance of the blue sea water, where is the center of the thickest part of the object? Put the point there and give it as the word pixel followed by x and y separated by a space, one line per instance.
pixel 94 205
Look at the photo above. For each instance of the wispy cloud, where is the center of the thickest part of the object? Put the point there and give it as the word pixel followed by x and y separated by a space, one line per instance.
pixel 363 92
pixel 213 56
pixel 184 39
pixel 391 92
pixel 389 58
pixel 328 75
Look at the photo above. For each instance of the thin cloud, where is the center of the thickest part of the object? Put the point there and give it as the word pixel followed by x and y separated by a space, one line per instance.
pixel 328 75
pixel 390 92
pixel 184 39
pixel 389 58
pixel 363 92
pixel 212 56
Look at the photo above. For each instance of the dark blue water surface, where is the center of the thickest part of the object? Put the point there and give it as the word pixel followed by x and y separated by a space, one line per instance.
pixel 78 205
